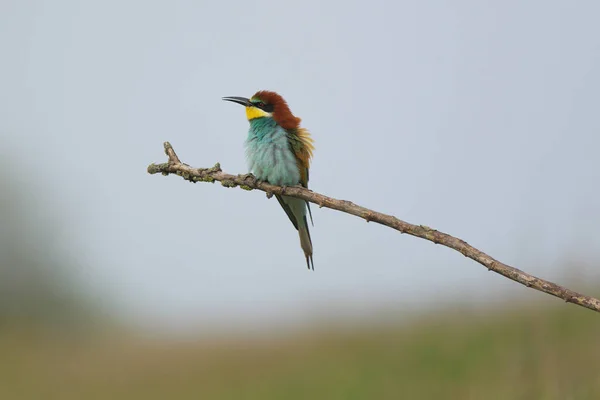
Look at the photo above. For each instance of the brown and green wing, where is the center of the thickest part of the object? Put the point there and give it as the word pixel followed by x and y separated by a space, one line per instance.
pixel 302 146
pixel 287 210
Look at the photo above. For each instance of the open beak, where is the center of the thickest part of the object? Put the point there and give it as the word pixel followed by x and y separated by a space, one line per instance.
pixel 240 100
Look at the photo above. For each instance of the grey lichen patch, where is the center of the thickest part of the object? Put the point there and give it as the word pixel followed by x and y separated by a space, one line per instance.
pixel 429 235
pixel 228 183
pixel 186 175
pixel 155 169
pixel 215 168
pixel 209 179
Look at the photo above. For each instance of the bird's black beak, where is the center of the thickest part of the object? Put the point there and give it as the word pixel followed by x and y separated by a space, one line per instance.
pixel 240 100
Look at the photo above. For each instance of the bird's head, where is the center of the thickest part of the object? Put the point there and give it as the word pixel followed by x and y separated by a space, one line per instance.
pixel 266 104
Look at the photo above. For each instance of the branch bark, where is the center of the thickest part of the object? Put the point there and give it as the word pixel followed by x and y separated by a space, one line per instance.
pixel 249 182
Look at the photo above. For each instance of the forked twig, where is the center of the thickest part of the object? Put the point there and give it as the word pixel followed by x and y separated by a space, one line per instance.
pixel 248 182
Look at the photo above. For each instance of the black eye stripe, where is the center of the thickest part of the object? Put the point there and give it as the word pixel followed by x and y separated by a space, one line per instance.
pixel 263 106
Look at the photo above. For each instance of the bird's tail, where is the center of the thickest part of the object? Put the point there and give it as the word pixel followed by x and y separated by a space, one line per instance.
pixel 305 242
pixel 296 210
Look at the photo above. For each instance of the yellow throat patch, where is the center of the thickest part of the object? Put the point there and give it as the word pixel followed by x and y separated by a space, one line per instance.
pixel 255 112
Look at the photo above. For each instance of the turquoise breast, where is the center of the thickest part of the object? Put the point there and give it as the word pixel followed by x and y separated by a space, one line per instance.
pixel 269 155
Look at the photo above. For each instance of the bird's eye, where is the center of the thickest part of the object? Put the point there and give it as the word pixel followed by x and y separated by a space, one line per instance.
pixel 260 104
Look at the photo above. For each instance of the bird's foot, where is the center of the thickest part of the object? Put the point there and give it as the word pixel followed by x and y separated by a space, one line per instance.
pixel 250 176
pixel 283 188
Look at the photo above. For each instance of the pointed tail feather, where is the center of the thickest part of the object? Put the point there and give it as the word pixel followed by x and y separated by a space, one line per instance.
pixel 306 242
pixel 296 211
pixel 310 213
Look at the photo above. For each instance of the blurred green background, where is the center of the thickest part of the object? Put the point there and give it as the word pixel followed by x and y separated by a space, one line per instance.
pixel 537 353
pixel 56 343
pixel 479 119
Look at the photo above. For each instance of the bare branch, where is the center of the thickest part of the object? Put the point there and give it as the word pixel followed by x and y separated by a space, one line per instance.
pixel 249 182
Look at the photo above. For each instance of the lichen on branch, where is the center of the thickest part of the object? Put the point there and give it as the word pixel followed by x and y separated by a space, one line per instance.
pixel 249 182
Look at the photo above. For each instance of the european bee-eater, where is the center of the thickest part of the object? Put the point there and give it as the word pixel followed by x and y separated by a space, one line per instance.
pixel 279 152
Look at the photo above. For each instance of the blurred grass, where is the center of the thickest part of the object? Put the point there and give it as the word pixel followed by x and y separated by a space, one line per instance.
pixel 533 353
pixel 48 350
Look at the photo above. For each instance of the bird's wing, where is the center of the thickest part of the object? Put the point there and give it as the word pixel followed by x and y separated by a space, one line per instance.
pixel 302 145
pixel 287 210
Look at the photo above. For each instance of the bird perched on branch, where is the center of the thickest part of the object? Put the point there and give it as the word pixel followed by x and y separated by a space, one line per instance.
pixel 279 152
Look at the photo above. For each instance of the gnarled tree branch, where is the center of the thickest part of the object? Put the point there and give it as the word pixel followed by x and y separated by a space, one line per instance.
pixel 249 182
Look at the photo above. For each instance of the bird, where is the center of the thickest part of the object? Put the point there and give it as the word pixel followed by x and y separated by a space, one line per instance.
pixel 279 151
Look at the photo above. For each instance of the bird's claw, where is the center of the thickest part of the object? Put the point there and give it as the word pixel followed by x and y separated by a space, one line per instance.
pixel 247 176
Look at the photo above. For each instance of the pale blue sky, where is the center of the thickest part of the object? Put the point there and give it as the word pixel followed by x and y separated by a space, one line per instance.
pixel 476 118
